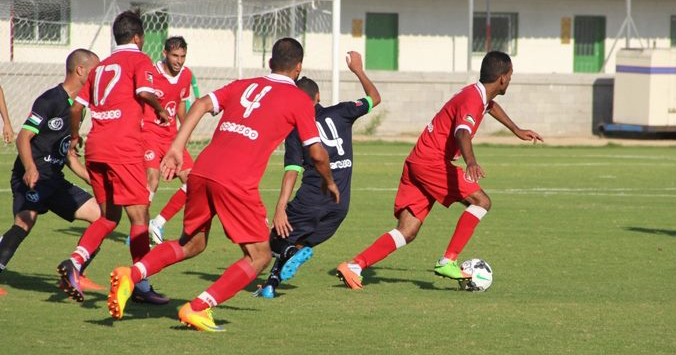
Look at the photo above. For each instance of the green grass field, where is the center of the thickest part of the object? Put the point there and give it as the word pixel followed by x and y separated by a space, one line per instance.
pixel 582 242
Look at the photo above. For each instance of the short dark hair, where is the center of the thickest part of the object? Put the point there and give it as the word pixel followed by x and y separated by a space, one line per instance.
pixel 493 65
pixel 78 57
pixel 175 42
pixel 309 86
pixel 286 54
pixel 126 26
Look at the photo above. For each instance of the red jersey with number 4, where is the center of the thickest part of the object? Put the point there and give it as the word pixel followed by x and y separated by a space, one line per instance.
pixel 257 115
pixel 437 144
pixel 111 93
pixel 170 90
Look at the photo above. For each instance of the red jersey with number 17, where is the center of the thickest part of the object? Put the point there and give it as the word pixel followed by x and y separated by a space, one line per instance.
pixel 170 90
pixel 437 144
pixel 257 115
pixel 111 93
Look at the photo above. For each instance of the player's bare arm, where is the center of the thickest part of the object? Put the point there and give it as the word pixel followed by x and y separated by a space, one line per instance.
pixel 75 165
pixel 321 161
pixel 23 144
pixel 7 132
pixel 355 64
pixel 173 160
pixel 75 139
pixel 473 170
pixel 281 222
pixel 152 100
pixel 501 116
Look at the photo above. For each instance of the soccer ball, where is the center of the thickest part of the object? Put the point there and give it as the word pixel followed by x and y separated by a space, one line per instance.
pixel 482 275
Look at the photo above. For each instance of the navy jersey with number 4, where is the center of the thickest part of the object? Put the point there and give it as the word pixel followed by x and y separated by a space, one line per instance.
pixel 50 121
pixel 335 129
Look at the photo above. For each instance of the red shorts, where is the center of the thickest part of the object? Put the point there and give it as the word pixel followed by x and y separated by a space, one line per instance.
pixel 421 185
pixel 124 184
pixel 155 150
pixel 243 216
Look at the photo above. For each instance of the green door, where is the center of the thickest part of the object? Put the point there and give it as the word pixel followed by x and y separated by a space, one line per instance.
pixel 590 35
pixel 155 27
pixel 382 41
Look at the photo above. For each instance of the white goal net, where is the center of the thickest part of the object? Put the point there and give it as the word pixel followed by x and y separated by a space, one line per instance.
pixel 41 33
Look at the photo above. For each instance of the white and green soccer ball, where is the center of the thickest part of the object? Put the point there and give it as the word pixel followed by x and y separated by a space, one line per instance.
pixel 482 275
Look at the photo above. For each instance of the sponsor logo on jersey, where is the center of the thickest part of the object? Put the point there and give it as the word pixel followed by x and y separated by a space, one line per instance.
pixel 54 161
pixel 55 124
pixel 149 76
pixel 106 115
pixel 149 155
pixel 341 164
pixel 159 93
pixel 470 119
pixel 32 196
pixel 251 105
pixel 239 129
pixel 64 145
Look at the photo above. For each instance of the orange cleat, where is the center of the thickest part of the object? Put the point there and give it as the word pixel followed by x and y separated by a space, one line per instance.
pixel 2 292
pixel 121 288
pixel 349 277
pixel 202 320
pixel 87 284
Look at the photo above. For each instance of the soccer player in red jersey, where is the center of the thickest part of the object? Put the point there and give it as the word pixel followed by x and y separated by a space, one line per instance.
pixel 430 176
pixel 258 114
pixel 115 92
pixel 172 86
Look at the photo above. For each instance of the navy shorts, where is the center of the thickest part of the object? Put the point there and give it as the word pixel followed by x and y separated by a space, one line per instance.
pixel 53 194
pixel 312 225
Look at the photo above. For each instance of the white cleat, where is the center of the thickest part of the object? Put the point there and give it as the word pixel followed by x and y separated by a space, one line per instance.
pixel 156 232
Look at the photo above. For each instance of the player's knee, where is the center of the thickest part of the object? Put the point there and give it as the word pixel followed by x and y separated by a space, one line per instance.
pixel 25 221
pixel 194 247
pixel 480 199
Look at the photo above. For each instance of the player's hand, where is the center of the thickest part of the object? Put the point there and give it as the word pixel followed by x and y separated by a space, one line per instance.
pixel 163 116
pixel 528 135
pixel 281 223
pixel 30 177
pixel 7 134
pixel 332 189
pixel 171 164
pixel 474 172
pixel 75 145
pixel 354 61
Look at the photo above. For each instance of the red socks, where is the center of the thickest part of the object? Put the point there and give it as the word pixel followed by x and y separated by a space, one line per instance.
pixel 139 244
pixel 163 255
pixel 464 230
pixel 235 278
pixel 92 239
pixel 175 204
pixel 381 248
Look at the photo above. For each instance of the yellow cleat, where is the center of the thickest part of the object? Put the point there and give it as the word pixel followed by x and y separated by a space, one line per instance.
pixel 202 320
pixel 121 288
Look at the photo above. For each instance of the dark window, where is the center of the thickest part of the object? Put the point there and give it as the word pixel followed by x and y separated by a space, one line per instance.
pixel 269 27
pixel 41 21
pixel 504 32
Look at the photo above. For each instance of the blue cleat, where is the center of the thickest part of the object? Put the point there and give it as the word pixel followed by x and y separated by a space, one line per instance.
pixel 291 266
pixel 267 291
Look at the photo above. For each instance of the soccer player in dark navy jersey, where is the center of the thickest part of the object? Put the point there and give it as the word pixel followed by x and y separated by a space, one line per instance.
pixel 311 218
pixel 38 184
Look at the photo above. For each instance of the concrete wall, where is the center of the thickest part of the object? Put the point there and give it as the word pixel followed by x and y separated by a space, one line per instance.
pixel 432 33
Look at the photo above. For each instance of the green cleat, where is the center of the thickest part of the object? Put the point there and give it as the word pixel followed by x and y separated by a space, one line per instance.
pixel 450 270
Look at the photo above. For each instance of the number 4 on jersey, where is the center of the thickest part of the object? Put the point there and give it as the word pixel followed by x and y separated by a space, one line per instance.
pixel 336 141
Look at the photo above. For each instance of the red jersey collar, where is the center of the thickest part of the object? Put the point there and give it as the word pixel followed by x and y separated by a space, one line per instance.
pixel 280 79
pixel 171 79
pixel 482 92
pixel 126 47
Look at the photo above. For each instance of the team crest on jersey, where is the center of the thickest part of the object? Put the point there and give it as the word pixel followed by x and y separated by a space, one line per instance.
pixel 171 108
pixel 64 145
pixel 32 196
pixel 469 119
pixel 149 76
pixel 430 127
pixel 149 155
pixel 159 93
pixel 55 124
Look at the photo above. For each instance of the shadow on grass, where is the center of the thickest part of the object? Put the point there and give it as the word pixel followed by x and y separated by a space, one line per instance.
pixel 667 232
pixel 117 237
pixel 370 278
